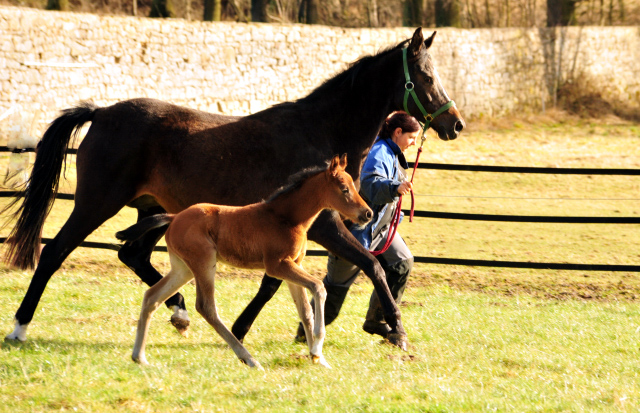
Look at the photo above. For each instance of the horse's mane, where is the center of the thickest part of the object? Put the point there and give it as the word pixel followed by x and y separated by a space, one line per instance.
pixel 296 180
pixel 348 76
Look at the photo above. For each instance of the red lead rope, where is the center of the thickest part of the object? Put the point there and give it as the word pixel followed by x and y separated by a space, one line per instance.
pixel 395 221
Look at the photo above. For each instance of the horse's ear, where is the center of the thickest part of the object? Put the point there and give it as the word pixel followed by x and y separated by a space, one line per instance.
pixel 343 161
pixel 417 42
pixel 429 41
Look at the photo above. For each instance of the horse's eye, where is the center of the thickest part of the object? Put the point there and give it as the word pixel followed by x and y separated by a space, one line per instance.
pixel 430 80
pixel 345 190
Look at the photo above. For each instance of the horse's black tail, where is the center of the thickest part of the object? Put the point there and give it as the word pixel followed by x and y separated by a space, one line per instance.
pixel 143 226
pixel 42 186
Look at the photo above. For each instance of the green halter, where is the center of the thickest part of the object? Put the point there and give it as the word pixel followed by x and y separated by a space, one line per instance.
pixel 409 90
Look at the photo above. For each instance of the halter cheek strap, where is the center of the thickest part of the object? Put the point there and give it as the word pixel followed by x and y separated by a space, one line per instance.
pixel 409 90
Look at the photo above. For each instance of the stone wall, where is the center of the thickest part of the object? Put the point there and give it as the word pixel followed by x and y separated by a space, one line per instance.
pixel 51 60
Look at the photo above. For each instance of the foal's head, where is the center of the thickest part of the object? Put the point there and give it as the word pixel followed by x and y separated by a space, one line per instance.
pixel 342 195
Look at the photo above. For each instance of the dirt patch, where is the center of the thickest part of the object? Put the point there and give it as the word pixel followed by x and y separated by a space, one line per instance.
pixel 560 285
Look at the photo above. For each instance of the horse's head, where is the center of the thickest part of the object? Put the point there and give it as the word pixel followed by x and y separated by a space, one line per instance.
pixel 422 87
pixel 343 195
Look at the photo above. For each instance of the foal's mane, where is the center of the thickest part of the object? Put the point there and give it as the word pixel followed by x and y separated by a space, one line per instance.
pixel 296 180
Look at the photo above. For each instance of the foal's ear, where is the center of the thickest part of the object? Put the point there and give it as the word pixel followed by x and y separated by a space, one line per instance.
pixel 343 161
pixel 335 164
pixel 417 42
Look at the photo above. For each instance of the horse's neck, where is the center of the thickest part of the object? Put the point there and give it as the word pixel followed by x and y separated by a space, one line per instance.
pixel 353 114
pixel 301 206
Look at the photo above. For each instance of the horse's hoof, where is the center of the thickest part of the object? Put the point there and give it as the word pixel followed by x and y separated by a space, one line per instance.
pixel 19 333
pixel 374 327
pixel 181 323
pixel 320 360
pixel 399 340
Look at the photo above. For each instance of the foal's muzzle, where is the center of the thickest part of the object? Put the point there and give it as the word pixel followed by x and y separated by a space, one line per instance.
pixel 365 217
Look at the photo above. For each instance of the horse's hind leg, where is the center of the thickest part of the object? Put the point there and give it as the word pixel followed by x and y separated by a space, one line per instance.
pixel 137 256
pixel 79 225
pixel 206 306
pixel 268 288
pixel 153 298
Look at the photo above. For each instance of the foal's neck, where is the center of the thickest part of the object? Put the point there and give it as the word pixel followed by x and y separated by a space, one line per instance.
pixel 301 206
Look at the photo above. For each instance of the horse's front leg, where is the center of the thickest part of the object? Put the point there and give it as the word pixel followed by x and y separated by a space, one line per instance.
pixel 137 256
pixel 268 288
pixel 329 231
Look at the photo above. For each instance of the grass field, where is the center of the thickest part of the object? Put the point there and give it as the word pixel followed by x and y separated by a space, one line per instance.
pixel 481 339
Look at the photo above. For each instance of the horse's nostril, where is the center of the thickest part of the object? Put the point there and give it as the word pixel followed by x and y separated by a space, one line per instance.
pixel 368 214
pixel 459 126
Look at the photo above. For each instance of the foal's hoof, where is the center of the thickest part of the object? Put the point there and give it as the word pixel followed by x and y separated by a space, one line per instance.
pixel 253 363
pixel 399 340
pixel 320 360
pixel 180 320
pixel 140 360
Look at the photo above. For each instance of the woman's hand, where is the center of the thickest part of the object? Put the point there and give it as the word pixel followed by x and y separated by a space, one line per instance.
pixel 405 188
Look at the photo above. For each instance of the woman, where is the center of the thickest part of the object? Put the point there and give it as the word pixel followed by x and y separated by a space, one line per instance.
pixel 382 180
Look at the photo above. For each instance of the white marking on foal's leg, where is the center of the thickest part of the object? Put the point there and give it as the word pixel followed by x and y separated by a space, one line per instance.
pixel 19 332
pixel 180 320
pixel 317 357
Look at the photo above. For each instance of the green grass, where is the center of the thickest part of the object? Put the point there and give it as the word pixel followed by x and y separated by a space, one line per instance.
pixel 469 351
pixel 481 339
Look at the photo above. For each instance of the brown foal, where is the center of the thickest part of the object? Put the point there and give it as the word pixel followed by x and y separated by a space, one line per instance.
pixel 269 235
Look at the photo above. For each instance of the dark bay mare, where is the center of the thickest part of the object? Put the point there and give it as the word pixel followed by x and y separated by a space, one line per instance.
pixel 158 157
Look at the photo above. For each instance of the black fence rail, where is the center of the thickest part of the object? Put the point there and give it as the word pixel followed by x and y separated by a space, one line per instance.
pixel 458 216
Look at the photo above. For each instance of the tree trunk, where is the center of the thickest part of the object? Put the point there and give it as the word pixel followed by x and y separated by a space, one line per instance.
pixel 259 11
pixel 212 10
pixel 561 12
pixel 308 12
pixel 162 8
pixel 448 13
pixel 61 5
pixel 372 6
pixel 413 11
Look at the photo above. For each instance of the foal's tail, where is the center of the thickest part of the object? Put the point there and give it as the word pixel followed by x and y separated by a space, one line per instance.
pixel 42 186
pixel 143 226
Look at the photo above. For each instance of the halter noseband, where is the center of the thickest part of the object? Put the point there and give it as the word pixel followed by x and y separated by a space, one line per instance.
pixel 409 90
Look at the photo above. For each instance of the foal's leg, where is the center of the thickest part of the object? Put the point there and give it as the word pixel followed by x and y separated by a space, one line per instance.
pixel 306 316
pixel 153 298
pixel 137 256
pixel 204 273
pixel 292 273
